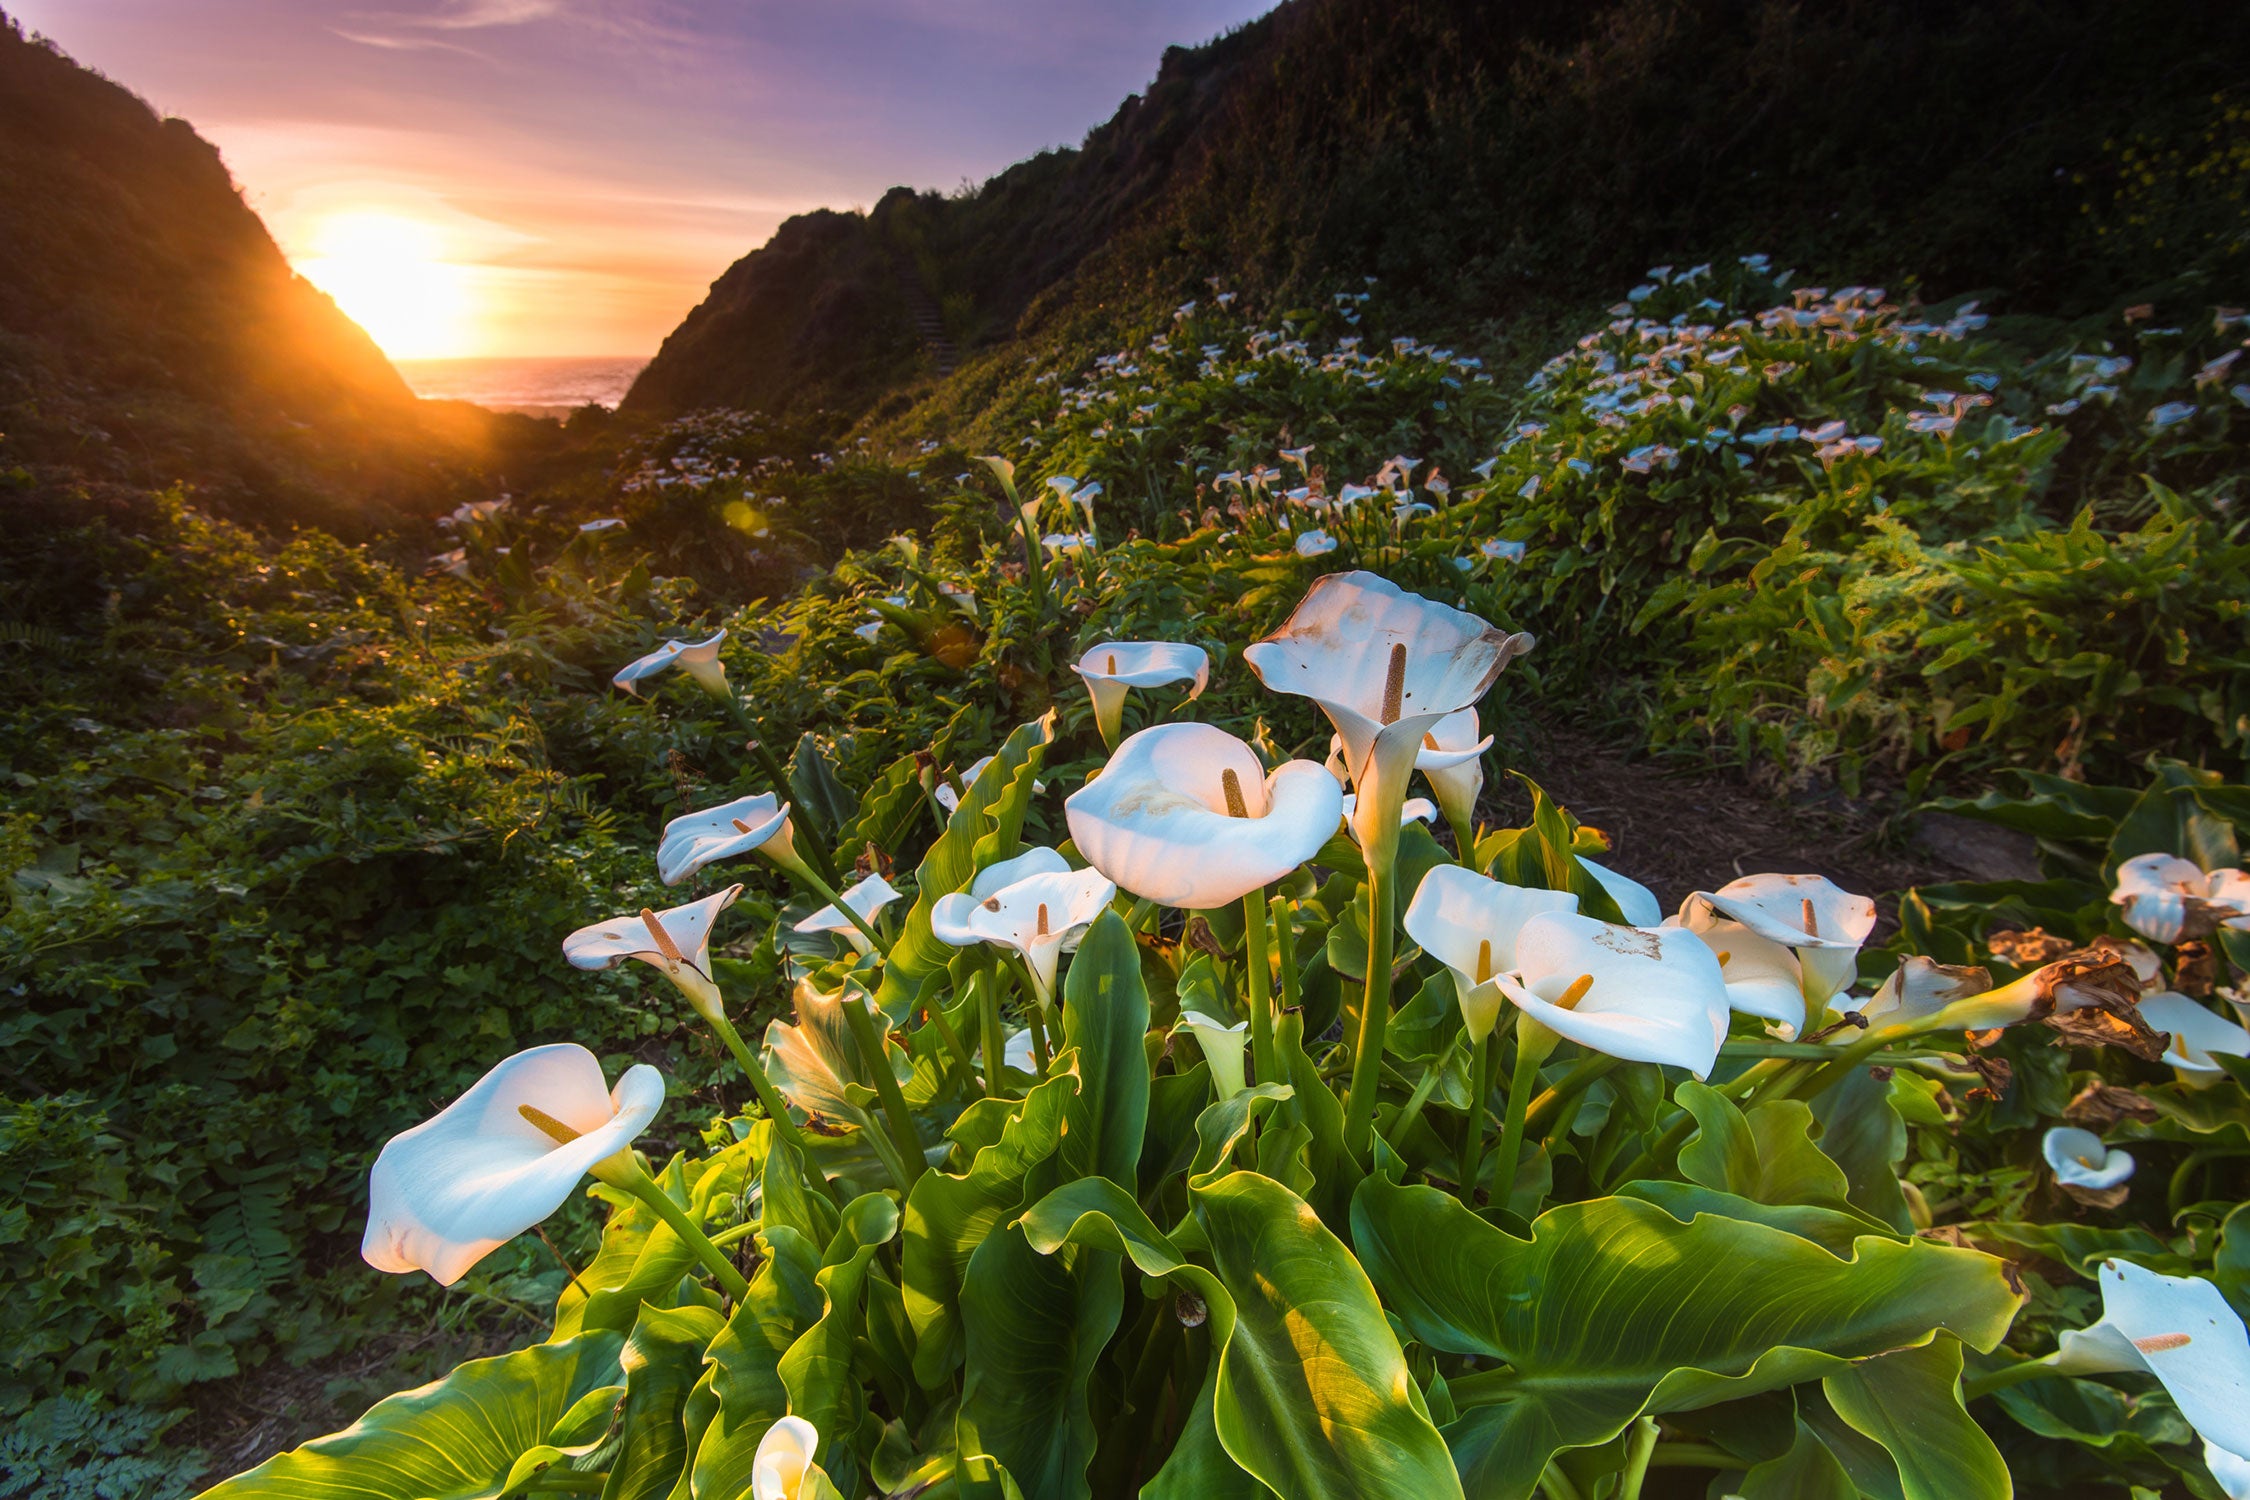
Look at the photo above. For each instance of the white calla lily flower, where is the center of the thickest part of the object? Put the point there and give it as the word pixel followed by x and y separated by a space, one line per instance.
pixel 1823 924
pixel 731 829
pixel 2230 1469
pixel 1413 810
pixel 867 898
pixel 1185 815
pixel 950 800
pixel 699 659
pixel 1644 994
pixel 1452 759
pixel 1036 860
pixel 1222 1048
pixel 676 942
pixel 2166 898
pixel 1037 917
pixel 500 1158
pixel 2079 1159
pixel 2197 1033
pixel 1922 987
pixel 1113 667
pixel 1469 923
pixel 1763 978
pixel 2179 1329
pixel 787 1456
pixel 1386 666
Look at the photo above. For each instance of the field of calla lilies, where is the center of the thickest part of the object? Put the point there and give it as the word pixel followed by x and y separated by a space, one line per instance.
pixel 1044 1005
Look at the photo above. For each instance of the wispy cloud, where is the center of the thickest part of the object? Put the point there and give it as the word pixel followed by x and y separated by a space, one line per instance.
pixel 405 43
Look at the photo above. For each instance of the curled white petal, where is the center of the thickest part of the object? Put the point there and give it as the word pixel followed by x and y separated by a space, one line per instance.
pixel 446 1193
pixel 2179 1329
pixel 699 659
pixel 2196 1032
pixel 1036 917
pixel 605 945
pixel 1653 994
pixel 724 832
pixel 1636 901
pixel 2079 1159
pixel 951 801
pixel 785 1454
pixel 1469 923
pixel 1824 924
pixel 1159 822
pixel 867 897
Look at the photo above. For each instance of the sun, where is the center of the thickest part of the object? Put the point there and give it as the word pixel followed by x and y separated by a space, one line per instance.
pixel 390 276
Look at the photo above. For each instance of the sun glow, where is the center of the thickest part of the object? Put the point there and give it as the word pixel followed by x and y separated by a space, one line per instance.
pixel 389 275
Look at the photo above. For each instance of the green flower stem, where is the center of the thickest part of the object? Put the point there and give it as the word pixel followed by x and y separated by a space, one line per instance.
pixel 1556 1484
pixel 1374 1004
pixel 1257 964
pixel 644 1187
pixel 1422 1090
pixel 1547 1108
pixel 1638 1450
pixel 1533 1043
pixel 736 1235
pixel 1142 908
pixel 769 1097
pixel 1806 1052
pixel 910 1164
pixel 1041 1053
pixel 1485 1075
pixel 1691 1456
pixel 986 986
pixel 1285 947
pixel 1984 1384
pixel 1816 1081
pixel 952 1039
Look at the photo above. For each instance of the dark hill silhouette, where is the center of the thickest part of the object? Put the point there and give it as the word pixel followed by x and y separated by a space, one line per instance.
pixel 152 332
pixel 1503 163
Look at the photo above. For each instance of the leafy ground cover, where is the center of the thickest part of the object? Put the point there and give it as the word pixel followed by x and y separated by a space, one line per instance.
pixel 295 829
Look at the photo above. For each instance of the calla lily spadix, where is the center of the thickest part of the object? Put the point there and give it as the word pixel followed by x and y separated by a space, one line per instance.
pixel 699 659
pixel 1222 1049
pixel 1113 667
pixel 2179 1329
pixel 1643 994
pixel 1036 917
pixel 1470 923
pixel 1825 926
pixel 1386 666
pixel 676 942
pixel 2197 1033
pixel 743 826
pixel 867 898
pixel 1185 815
pixel 500 1158
pixel 2079 1159
pixel 2166 898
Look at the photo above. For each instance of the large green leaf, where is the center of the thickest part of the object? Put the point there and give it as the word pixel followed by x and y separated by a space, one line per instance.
pixel 744 1373
pixel 948 1216
pixel 1862 1132
pixel 992 810
pixel 1105 1015
pixel 1808 1471
pixel 1034 1327
pixel 817 1369
pixel 455 1440
pixel 1614 1307
pixel 1766 1155
pixel 663 1361
pixel 1909 1401
pixel 1312 1394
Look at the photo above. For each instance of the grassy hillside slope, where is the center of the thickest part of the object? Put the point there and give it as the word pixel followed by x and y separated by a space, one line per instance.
pixel 1494 166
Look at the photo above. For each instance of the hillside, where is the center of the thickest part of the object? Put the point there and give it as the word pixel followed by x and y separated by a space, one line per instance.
pixel 151 332
pixel 1497 168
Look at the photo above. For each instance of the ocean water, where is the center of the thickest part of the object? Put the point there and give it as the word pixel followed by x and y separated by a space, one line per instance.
pixel 543 387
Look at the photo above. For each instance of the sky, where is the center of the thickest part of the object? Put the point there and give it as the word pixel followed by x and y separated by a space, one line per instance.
pixel 566 177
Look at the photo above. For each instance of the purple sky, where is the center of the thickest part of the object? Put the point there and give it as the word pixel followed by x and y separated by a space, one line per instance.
pixel 567 176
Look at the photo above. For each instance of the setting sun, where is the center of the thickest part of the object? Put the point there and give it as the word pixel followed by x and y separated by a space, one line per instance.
pixel 389 275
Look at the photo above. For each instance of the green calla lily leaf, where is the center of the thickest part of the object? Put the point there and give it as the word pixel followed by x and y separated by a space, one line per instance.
pixel 663 1361
pixel 1105 1015
pixel 494 1412
pixel 1909 1401
pixel 1748 1307
pixel 1766 1155
pixel 1808 1471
